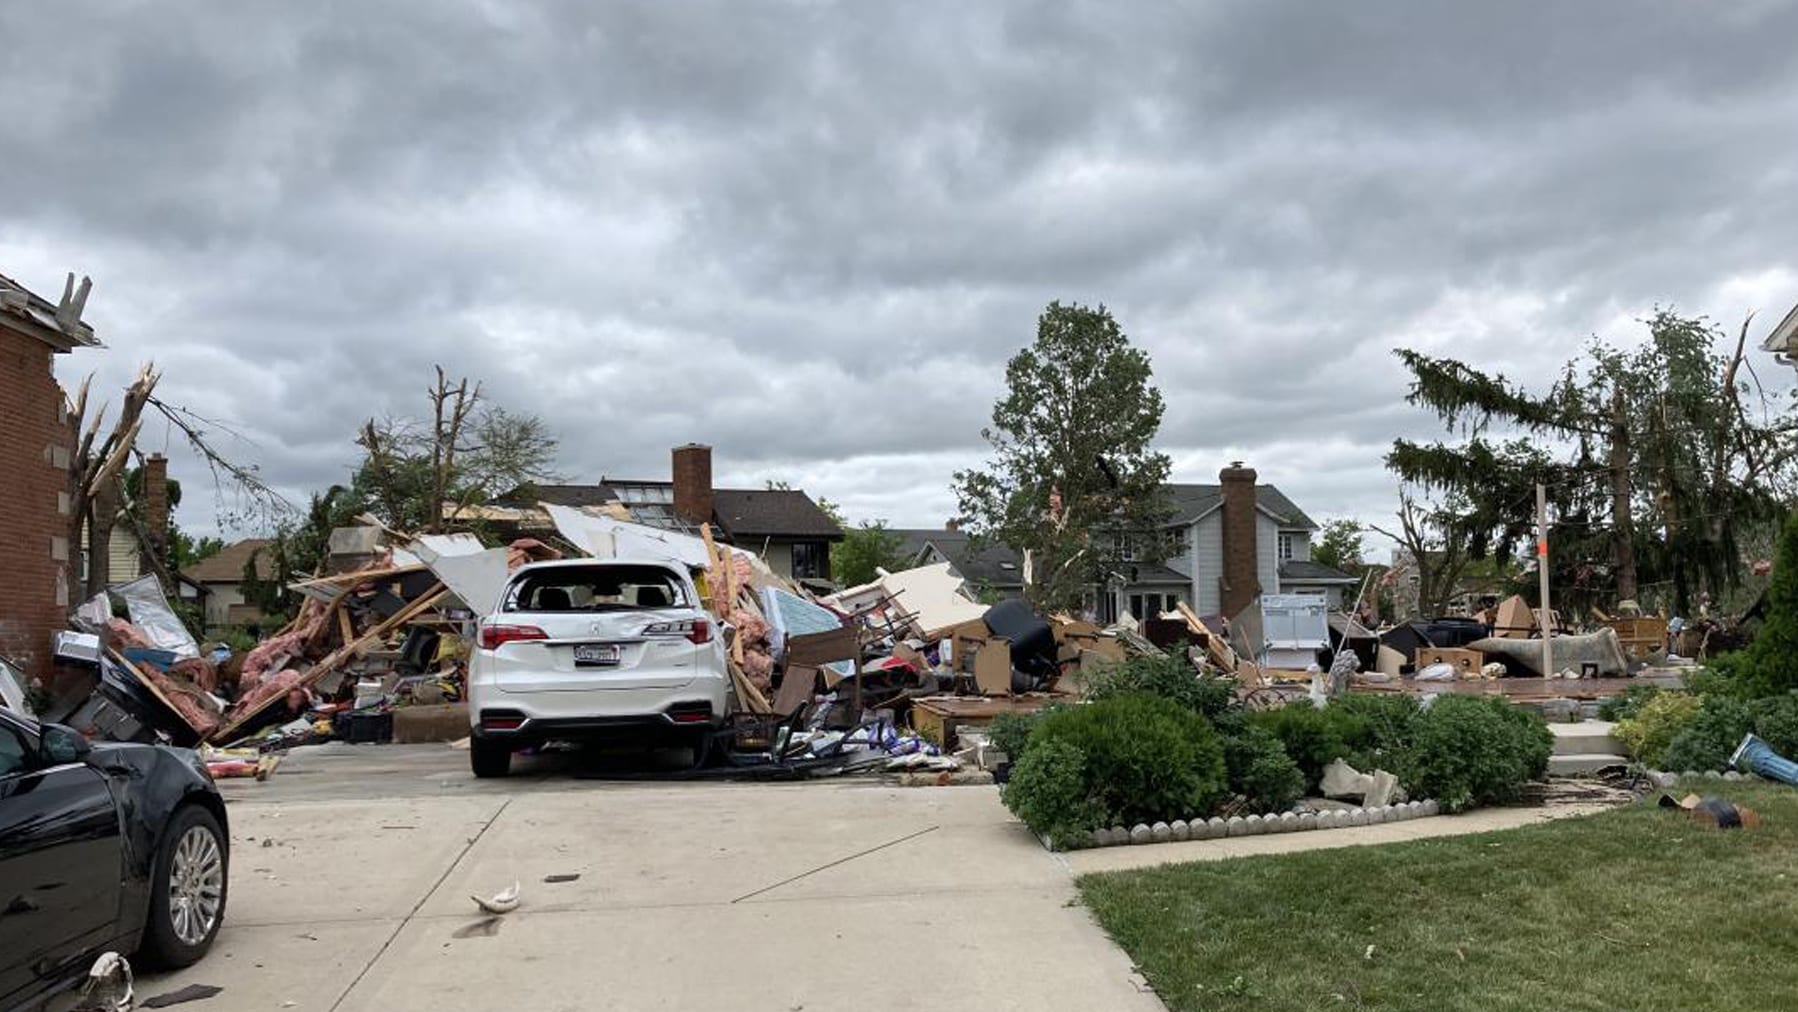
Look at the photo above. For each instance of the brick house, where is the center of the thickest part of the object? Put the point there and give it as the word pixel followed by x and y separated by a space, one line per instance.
pixel 37 580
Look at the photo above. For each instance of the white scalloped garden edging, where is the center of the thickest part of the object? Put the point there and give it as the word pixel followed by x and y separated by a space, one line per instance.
pixel 1217 828
pixel 1667 778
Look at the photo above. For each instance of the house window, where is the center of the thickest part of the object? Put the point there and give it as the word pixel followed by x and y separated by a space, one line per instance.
pixel 1147 606
pixel 1108 608
pixel 1126 548
pixel 1287 541
pixel 811 560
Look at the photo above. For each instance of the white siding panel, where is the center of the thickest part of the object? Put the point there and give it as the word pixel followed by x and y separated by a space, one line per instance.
pixel 1267 552
pixel 122 552
pixel 1208 562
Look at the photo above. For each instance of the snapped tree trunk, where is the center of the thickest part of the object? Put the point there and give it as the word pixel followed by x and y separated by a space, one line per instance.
pixel 101 513
pixel 1623 538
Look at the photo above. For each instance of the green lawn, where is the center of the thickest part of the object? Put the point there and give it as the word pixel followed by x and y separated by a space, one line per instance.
pixel 1632 909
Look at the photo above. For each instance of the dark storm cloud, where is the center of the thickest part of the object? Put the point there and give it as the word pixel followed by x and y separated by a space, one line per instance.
pixel 811 233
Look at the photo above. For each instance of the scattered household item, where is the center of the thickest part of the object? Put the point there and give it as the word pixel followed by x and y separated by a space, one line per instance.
pixel 108 986
pixel 1436 673
pixel 1714 812
pixel 1756 756
pixel 1600 648
pixel 1294 627
pixel 503 902
pixel 182 995
pixel 1032 643
pixel 1340 780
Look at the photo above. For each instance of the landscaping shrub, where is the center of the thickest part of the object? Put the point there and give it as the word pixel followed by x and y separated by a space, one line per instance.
pixel 1010 732
pixel 1145 758
pixel 1387 718
pixel 1776 721
pixel 1259 768
pixel 1048 790
pixel 1659 720
pixel 1706 740
pixel 1627 705
pixel 1168 676
pixel 1769 665
pixel 1468 750
pixel 1314 738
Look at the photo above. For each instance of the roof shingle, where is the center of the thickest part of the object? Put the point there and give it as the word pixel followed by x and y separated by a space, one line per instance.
pixel 227 565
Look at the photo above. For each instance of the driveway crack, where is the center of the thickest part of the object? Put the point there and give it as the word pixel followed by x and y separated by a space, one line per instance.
pixel 833 864
pixel 416 907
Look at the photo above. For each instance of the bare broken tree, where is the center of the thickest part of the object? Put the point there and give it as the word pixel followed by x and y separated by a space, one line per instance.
pixel 419 475
pixel 97 469
pixel 446 437
pixel 1437 547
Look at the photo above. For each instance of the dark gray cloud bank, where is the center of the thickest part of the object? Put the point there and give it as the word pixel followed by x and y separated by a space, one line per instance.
pixel 811 233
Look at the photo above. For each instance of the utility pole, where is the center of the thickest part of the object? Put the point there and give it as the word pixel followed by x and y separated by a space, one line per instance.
pixel 1548 664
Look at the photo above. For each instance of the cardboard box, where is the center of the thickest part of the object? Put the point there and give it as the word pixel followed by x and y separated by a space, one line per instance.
pixel 1467 663
pixel 1515 619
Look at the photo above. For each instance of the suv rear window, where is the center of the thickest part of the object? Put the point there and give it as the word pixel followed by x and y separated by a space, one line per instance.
pixel 596 588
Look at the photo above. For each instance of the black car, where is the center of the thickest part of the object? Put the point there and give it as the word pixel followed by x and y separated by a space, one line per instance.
pixel 102 847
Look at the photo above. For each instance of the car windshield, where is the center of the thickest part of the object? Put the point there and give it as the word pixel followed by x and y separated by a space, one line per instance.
pixel 596 588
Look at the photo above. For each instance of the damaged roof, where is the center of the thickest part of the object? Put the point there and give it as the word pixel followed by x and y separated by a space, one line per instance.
pixel 35 316
pixel 741 514
pixel 227 565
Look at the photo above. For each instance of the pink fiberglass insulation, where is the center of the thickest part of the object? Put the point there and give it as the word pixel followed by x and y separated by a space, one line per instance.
pixel 277 684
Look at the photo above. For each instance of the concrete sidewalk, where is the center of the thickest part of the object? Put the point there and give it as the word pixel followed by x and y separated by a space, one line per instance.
pixel 1082 862
pixel 767 897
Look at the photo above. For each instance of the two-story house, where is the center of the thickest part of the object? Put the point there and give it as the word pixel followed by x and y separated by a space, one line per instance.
pixel 1235 540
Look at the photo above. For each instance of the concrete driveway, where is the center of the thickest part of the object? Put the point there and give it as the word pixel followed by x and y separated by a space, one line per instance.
pixel 353 867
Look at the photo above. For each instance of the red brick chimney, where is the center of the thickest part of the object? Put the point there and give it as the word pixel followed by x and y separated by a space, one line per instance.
pixel 693 483
pixel 155 490
pixel 1241 578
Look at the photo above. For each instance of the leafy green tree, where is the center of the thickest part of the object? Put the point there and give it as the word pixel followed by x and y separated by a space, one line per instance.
pixel 1338 545
pixel 865 547
pixel 1769 665
pixel 1073 478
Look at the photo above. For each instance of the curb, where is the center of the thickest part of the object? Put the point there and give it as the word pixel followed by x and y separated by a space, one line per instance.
pixel 1217 828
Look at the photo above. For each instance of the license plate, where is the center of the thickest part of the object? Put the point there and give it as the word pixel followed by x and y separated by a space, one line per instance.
pixel 596 654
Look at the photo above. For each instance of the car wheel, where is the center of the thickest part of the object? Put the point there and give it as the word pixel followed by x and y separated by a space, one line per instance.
pixel 187 890
pixel 489 758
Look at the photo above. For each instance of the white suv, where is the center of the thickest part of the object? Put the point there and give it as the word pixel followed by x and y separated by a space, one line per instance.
pixel 588 649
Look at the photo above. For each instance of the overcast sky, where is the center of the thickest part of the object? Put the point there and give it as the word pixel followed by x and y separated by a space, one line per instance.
pixel 811 233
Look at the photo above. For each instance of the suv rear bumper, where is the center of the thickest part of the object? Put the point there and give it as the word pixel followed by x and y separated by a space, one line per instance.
pixel 502 723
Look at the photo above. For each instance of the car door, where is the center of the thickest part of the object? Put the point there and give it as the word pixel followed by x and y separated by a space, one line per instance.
pixel 61 860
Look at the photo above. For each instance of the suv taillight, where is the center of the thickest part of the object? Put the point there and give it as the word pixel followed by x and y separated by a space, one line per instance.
pixel 495 636
pixel 695 630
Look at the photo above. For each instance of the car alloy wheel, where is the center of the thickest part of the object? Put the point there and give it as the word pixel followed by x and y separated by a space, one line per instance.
pixel 196 885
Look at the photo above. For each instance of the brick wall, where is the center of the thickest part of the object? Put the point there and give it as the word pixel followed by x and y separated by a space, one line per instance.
pixel 36 579
pixel 693 483
pixel 1241 576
